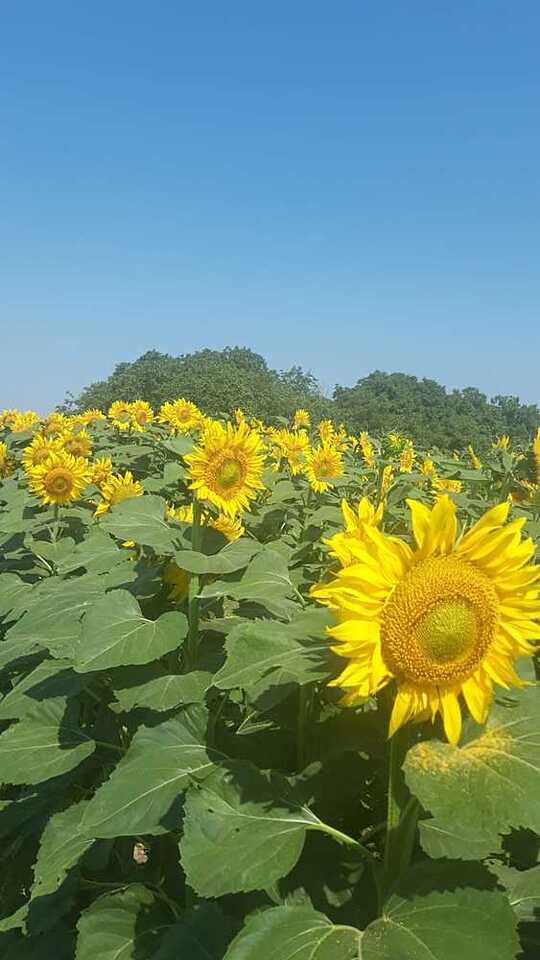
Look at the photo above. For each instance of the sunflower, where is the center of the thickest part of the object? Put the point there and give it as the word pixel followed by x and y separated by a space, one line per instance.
pixel 355 522
pixel 7 417
pixel 366 447
pixel 142 415
pixel 301 420
pixel 55 425
pixel 395 442
pixel 181 415
pixel 117 488
pixel 536 454
pixel 39 450
pixel 178 580
pixel 443 620
pixel 441 485
pixel 23 421
pixel 428 468
pixel 232 529
pixel 324 465
pixel 60 479
pixel 293 447
pixel 6 465
pixel 473 458
pixel 120 414
pixel 89 417
pixel 239 416
pixel 387 480
pixel 226 467
pixel 406 458
pixel 502 442
pixel 326 431
pixel 78 444
pixel 101 470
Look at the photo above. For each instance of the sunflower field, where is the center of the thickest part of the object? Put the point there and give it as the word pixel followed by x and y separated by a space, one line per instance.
pixel 267 692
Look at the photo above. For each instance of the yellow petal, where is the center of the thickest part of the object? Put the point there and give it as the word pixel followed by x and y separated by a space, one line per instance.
pixel 441 535
pixel 478 698
pixel 489 521
pixel 421 518
pixel 451 714
pixel 402 710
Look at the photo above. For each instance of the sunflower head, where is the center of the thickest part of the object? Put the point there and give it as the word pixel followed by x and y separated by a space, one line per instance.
pixel 78 444
pixel 366 448
pixel 120 414
pixel 6 465
pixel 232 529
pixel 23 421
pixel 324 465
pixel 118 487
pixel 178 582
pixel 101 470
pixel 142 415
pixel 441 621
pixel 55 425
pixel 60 479
pixel 89 417
pixel 226 467
pixel 181 416
pixel 40 449
pixel 301 420
pixel 406 458
pixel 7 417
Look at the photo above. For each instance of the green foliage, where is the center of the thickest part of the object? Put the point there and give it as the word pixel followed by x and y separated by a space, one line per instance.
pixel 220 381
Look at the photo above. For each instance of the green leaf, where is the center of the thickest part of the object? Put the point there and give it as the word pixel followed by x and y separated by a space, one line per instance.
pixel 523 890
pixel 97 553
pixel 13 592
pixel 52 551
pixel 122 926
pixel 115 633
pixel 61 846
pixel 199 935
pixel 255 822
pixel 265 580
pixel 453 925
pixel 230 559
pixel 51 678
pixel 164 693
pixel 179 445
pixel 481 790
pixel 55 945
pixel 296 933
pixel 54 618
pixel 45 744
pixel 141 519
pixel 143 788
pixel 265 653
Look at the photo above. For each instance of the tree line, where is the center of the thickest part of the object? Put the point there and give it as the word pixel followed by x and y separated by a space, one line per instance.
pixel 219 381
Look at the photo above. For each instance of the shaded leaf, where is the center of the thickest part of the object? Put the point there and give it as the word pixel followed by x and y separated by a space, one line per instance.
pixel 141 519
pixel 296 933
pixel 127 925
pixel 45 744
pixel 164 693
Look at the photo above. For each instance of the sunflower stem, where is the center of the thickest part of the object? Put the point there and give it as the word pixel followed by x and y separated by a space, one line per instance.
pixel 192 641
pixel 401 818
pixel 56 523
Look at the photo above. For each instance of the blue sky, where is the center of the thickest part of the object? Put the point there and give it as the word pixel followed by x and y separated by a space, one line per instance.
pixel 347 186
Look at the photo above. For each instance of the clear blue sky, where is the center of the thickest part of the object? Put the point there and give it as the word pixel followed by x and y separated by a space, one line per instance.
pixel 347 186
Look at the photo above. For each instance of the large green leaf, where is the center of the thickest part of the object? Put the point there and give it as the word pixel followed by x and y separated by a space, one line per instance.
pixel 164 693
pixel 51 678
pixel 200 934
pixel 13 591
pixel 45 744
pixel 253 819
pixel 481 790
pixel 523 890
pixel 115 633
pixel 97 553
pixel 141 519
pixel 231 558
pixel 461 924
pixel 264 653
pixel 122 926
pixel 54 615
pixel 297 933
pixel 266 581
pixel 140 795
pixel 61 846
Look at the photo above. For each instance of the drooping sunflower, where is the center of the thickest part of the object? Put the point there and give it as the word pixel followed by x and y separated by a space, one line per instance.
pixel 6 465
pixel 301 420
pixel 226 467
pixel 476 463
pixel 59 479
pixel 178 580
pixel 366 447
pixel 387 479
pixel 232 529
pixel 181 415
pixel 101 470
pixel 78 444
pixel 117 488
pixel 324 465
pixel 142 415
pixel 444 620
pixel 406 458
pixel 120 414
pixel 40 449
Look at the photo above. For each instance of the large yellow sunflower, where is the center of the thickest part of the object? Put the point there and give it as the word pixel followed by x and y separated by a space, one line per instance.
pixel 324 465
pixel 181 415
pixel 55 424
pixel 24 420
pixel 120 414
pixel 60 479
pixel 101 470
pixel 293 446
pixel 142 415
pixel 226 467
pixel 117 488
pixel 301 419
pixel 78 444
pixel 443 620
pixel 39 450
